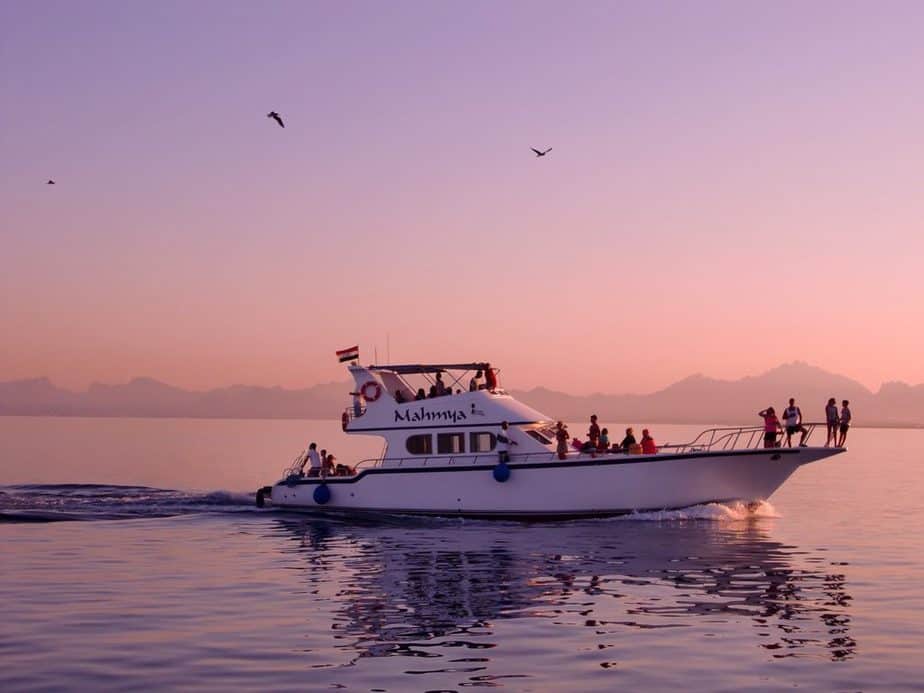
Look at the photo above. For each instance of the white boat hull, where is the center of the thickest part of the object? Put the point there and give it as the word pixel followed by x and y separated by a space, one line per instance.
pixel 605 485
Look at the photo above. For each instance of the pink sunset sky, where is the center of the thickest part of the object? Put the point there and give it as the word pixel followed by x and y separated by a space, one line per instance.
pixel 732 185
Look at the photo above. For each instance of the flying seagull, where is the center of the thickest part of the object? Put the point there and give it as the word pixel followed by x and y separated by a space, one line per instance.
pixel 538 153
pixel 275 116
pixel 50 182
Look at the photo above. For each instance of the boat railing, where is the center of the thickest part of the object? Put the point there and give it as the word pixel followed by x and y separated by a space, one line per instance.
pixel 737 438
pixel 295 468
pixel 711 440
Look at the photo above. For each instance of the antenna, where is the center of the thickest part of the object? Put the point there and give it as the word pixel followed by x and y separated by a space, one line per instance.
pixel 388 347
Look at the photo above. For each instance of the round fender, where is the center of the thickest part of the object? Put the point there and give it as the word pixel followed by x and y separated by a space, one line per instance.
pixel 501 472
pixel 321 494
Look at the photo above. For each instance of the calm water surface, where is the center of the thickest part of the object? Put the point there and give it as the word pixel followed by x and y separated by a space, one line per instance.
pixel 142 585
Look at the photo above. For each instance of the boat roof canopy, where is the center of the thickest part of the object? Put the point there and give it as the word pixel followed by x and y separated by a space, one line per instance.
pixel 432 368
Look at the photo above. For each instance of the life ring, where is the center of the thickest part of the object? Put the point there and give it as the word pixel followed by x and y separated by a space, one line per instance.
pixel 371 391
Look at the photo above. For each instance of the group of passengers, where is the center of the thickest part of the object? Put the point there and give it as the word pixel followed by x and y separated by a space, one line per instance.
pixel 838 423
pixel 598 441
pixel 322 464
pixel 441 389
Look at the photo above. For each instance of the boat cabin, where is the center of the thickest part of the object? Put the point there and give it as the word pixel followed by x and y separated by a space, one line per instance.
pixel 441 413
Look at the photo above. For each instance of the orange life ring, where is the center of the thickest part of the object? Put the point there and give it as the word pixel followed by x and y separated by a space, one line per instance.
pixel 371 391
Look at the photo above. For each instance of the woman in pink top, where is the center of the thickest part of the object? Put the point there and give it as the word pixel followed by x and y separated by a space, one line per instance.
pixel 772 426
pixel 648 443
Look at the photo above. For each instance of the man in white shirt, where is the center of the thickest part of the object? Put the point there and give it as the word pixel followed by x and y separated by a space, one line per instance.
pixel 792 419
pixel 503 443
pixel 314 460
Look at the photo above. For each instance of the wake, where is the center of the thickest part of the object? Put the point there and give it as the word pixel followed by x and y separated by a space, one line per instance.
pixel 709 512
pixel 69 502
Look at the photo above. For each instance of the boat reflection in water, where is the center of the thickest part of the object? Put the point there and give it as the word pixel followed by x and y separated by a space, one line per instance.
pixel 406 586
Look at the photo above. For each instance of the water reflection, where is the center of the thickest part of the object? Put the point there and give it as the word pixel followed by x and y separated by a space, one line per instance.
pixel 416 587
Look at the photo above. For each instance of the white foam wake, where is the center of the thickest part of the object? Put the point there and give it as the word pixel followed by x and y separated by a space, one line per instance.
pixel 714 512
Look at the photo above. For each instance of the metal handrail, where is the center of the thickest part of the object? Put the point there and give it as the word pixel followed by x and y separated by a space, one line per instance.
pixel 737 438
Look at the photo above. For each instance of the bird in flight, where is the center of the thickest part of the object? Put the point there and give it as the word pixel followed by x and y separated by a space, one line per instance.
pixel 50 182
pixel 275 116
pixel 538 153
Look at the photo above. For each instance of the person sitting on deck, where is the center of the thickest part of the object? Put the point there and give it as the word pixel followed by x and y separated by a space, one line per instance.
pixel 475 383
pixel 772 427
pixel 420 394
pixel 604 444
pixel 341 469
pixel 649 447
pixel 628 441
pixel 399 396
pixel 432 394
pixel 561 435
pixel 327 468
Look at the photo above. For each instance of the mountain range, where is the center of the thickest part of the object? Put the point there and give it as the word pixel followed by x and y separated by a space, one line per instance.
pixel 696 399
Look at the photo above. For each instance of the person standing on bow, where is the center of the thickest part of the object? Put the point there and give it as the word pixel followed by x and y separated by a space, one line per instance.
pixel 845 423
pixel 832 420
pixel 792 416
pixel 772 426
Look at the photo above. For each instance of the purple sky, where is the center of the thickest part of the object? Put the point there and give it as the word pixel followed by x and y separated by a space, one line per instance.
pixel 732 185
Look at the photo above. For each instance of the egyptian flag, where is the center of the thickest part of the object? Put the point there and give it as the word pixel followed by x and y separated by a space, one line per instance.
pixel 351 354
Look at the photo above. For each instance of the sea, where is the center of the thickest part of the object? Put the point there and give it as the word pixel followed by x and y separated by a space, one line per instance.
pixel 132 557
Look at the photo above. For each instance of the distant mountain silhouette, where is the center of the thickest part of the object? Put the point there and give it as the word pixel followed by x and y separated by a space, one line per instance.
pixel 696 399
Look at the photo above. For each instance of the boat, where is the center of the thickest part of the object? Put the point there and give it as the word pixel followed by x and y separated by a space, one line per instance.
pixel 441 457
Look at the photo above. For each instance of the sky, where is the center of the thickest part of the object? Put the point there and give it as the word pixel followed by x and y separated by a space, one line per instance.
pixel 731 186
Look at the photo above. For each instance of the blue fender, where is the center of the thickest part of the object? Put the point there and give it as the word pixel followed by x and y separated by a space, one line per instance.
pixel 501 472
pixel 321 494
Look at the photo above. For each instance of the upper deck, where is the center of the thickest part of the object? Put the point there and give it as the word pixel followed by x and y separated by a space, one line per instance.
pixel 400 397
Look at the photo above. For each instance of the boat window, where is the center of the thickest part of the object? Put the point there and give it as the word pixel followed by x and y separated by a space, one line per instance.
pixel 420 444
pixel 538 436
pixel 481 442
pixel 450 443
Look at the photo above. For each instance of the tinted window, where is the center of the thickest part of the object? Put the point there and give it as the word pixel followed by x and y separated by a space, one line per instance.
pixel 538 436
pixel 420 445
pixel 481 442
pixel 450 443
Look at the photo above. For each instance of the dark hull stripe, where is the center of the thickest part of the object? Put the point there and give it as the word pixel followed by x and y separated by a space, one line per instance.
pixel 490 514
